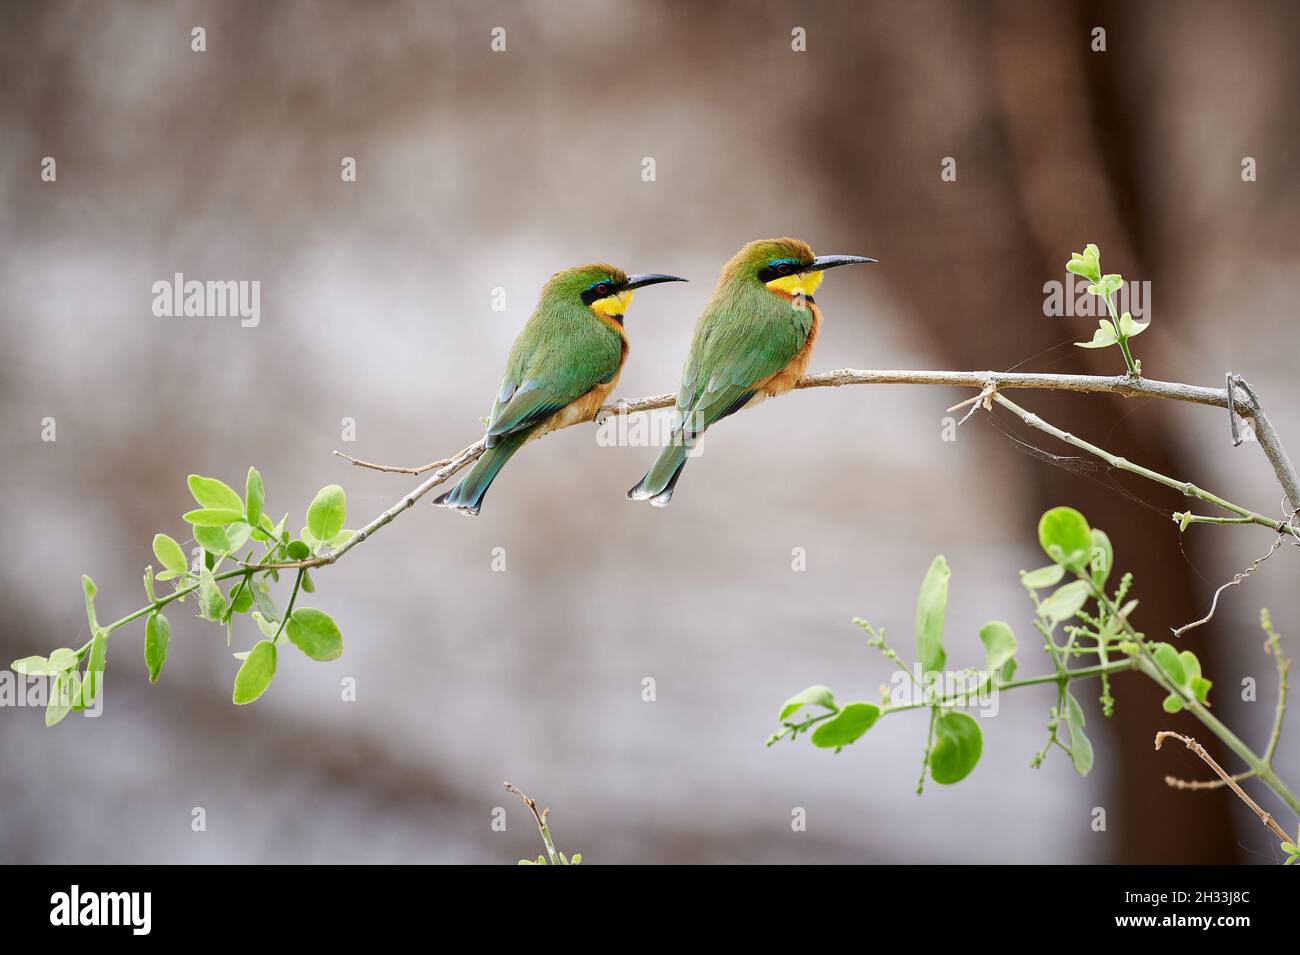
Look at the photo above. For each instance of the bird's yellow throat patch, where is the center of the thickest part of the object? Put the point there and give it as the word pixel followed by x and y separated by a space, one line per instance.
pixel 615 304
pixel 805 282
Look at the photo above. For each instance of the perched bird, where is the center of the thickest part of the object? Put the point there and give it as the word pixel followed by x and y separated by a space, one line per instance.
pixel 561 368
pixel 752 342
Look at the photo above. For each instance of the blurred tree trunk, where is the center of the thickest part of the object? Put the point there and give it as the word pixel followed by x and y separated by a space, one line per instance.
pixel 1009 97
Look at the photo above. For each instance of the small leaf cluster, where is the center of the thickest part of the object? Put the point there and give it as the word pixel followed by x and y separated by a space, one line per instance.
pixel 225 528
pixel 1118 329
pixel 76 676
pixel 955 742
pixel 1076 616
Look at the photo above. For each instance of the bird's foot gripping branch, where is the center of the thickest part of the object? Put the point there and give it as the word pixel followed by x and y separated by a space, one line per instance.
pixel 1087 634
pixel 222 525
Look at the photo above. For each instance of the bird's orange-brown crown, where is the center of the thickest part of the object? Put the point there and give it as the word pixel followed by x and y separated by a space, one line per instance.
pixel 759 254
pixel 579 279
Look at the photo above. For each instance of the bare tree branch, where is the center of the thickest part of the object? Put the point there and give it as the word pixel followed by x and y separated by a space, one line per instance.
pixel 989 384
pixel 1229 781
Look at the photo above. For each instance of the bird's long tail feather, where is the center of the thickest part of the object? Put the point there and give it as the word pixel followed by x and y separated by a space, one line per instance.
pixel 658 484
pixel 467 496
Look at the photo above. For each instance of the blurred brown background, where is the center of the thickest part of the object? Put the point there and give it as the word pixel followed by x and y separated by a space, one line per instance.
pixel 479 170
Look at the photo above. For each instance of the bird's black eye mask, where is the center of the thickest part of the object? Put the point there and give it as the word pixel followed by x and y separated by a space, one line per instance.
pixel 782 268
pixel 602 289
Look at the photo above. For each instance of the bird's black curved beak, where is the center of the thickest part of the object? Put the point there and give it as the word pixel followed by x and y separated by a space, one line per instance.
pixel 824 262
pixel 643 279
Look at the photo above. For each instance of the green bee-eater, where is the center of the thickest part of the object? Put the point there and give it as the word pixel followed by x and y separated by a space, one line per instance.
pixel 562 367
pixel 752 342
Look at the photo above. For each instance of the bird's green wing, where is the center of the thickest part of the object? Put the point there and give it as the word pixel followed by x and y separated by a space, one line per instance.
pixel 551 365
pixel 736 345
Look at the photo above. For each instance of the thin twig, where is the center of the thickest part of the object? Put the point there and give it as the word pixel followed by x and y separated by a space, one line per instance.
pixel 1173 782
pixel 393 468
pixel 1236 579
pixel 1274 645
pixel 1184 487
pixel 466 457
pixel 540 817
pixel 1229 781
pixel 1232 414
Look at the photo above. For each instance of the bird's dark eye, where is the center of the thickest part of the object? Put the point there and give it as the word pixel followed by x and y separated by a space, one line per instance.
pixel 602 289
pixel 784 268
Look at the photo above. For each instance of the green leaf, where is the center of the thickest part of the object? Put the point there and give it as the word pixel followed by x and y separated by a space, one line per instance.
pixel 1169 661
pixel 62 693
pixel 268 628
pixel 1086 264
pixel 577 858
pixel 264 602
pixel 957 747
pixel 1065 602
pixel 1065 537
pixel 1129 328
pixel 58 661
pixel 1183 670
pixel 851 722
pixel 212 603
pixel 297 550
pixel 1080 746
pixel 76 691
pixel 169 554
pixel 1107 285
pixel 999 650
pixel 815 695
pixel 244 601
pixel 211 493
pixel 213 539
pixel 1200 688
pixel 212 517
pixel 31 666
pixel 1102 337
pixel 64 658
pixel 1103 557
pixel 255 492
pixel 327 512
pixel 95 668
pixel 88 591
pixel 1048 576
pixel 157 634
pixel 255 673
pixel 931 608
pixel 315 634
